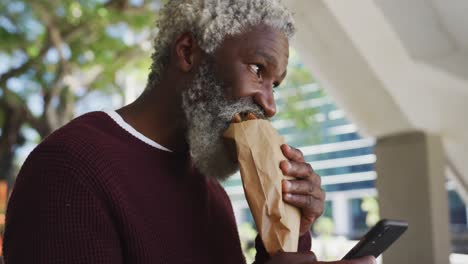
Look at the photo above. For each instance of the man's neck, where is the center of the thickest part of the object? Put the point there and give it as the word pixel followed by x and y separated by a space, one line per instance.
pixel 158 115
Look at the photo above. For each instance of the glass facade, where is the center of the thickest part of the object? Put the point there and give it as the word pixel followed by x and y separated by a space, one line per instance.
pixel 335 150
pixel 344 159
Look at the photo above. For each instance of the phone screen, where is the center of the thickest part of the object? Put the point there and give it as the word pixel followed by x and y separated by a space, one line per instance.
pixel 378 239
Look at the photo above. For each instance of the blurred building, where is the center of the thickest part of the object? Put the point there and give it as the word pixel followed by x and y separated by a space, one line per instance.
pixel 345 160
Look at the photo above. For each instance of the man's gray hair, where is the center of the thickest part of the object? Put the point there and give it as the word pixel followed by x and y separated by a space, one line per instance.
pixel 211 21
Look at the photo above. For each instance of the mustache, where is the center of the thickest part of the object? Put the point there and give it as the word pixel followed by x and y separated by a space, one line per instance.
pixel 242 106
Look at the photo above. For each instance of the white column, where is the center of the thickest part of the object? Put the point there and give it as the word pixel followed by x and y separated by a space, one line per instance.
pixel 341 213
pixel 411 186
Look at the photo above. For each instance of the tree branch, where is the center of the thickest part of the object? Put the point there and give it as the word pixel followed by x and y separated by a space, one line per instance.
pixel 55 88
pixel 69 35
pixel 125 56
pixel 54 33
pixel 23 68
pixel 9 98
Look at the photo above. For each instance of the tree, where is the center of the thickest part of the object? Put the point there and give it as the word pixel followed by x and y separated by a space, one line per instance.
pixel 59 51
pixel 291 95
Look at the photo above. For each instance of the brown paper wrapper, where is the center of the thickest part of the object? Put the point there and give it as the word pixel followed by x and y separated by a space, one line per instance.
pixel 259 155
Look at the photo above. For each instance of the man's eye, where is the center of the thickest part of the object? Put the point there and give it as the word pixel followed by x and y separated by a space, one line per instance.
pixel 256 69
pixel 275 86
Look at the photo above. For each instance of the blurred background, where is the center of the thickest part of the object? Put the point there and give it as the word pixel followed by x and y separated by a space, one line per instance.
pixel 361 77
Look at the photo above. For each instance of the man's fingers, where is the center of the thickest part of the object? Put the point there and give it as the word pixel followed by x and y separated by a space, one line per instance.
pixel 304 188
pixel 236 118
pixel 251 116
pixel 239 117
pixel 300 170
pixel 292 153
pixel 304 202
pixel 296 169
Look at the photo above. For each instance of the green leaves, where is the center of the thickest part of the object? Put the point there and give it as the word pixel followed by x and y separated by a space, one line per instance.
pixel 56 52
pixel 83 38
pixel 294 97
pixel 370 205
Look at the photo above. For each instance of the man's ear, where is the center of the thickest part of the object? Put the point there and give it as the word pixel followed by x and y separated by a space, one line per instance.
pixel 186 52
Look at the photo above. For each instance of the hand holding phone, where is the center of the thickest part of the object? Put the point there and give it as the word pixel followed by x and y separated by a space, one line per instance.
pixel 378 239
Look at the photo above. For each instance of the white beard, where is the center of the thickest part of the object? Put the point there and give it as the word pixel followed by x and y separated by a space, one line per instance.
pixel 208 115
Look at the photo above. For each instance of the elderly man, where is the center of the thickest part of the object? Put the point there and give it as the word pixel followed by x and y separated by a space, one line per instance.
pixel 140 184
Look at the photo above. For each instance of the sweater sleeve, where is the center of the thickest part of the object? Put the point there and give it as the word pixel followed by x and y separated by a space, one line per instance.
pixel 262 256
pixel 53 217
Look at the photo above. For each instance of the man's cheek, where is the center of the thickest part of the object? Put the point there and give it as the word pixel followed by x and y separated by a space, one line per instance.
pixel 231 91
pixel 247 88
pixel 240 86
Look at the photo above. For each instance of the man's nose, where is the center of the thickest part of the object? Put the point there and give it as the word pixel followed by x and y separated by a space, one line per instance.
pixel 266 101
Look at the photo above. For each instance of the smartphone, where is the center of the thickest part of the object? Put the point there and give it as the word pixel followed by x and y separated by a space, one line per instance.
pixel 378 239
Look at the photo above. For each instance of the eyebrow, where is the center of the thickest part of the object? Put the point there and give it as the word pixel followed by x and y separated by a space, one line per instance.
pixel 271 60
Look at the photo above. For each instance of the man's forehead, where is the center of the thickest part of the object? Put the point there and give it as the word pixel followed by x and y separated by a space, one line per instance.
pixel 269 43
pixel 262 35
pixel 258 36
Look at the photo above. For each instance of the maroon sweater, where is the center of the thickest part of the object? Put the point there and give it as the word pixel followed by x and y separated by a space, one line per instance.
pixel 93 193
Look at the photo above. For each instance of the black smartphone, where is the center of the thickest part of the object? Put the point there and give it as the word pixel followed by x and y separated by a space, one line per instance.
pixel 378 239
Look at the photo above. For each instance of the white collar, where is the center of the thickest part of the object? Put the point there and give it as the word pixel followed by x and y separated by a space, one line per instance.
pixel 121 122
